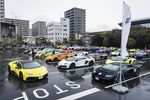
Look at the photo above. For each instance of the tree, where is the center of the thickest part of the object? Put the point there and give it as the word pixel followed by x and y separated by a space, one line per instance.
pixel 131 43
pixel 97 40
pixel 41 41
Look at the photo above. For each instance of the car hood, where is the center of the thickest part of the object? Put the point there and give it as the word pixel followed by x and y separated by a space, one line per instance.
pixel 64 62
pixel 49 57
pixel 106 72
pixel 36 71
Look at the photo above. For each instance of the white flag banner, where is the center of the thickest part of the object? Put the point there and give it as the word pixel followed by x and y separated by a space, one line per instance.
pixel 126 24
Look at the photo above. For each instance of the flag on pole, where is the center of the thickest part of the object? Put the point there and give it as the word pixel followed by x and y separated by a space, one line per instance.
pixel 126 24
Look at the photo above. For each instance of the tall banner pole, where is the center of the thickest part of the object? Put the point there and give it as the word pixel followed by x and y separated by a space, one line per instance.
pixel 126 24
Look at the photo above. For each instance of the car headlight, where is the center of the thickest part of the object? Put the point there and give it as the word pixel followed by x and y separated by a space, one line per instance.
pixel 94 71
pixel 28 73
pixel 108 75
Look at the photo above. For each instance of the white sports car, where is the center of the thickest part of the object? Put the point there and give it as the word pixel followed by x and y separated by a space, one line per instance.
pixel 76 61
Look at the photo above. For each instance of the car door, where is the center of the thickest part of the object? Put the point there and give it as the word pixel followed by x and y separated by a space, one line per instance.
pixel 128 70
pixel 81 61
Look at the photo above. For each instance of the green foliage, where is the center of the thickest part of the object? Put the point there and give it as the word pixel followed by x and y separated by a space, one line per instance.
pixel 97 40
pixel 131 43
pixel 139 38
pixel 41 41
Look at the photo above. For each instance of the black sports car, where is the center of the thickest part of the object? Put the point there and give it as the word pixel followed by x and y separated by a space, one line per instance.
pixel 109 72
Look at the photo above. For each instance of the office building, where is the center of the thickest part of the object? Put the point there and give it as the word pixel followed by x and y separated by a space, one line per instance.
pixel 77 21
pixel 22 26
pixel 140 22
pixel 39 28
pixel 2 11
pixel 58 31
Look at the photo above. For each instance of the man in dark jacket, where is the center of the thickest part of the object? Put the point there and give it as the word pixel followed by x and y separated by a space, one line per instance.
pixel 33 54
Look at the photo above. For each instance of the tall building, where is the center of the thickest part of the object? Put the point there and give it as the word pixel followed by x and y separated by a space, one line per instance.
pixel 58 31
pixel 22 26
pixel 2 11
pixel 39 28
pixel 77 21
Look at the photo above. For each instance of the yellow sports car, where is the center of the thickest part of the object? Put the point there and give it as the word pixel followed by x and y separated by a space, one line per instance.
pixel 57 57
pixel 27 70
pixel 127 60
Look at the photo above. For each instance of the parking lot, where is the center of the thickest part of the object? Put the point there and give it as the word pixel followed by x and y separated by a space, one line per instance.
pixel 67 84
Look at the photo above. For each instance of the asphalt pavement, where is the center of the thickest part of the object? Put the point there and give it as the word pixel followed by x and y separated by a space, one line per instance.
pixel 67 84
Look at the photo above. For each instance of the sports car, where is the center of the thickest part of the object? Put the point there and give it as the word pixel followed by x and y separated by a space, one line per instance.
pixel 57 57
pixel 97 56
pixel 115 53
pixel 109 72
pixel 43 54
pixel 27 70
pixel 140 54
pixel 76 61
pixel 127 60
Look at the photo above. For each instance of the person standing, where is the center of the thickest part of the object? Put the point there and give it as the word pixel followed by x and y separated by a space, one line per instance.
pixel 33 54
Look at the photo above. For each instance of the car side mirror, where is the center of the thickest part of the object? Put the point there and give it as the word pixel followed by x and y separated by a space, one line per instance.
pixel 18 66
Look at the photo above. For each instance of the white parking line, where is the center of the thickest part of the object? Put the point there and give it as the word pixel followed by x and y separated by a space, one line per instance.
pixel 80 94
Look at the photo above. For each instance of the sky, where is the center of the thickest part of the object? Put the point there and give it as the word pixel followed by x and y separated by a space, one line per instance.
pixel 101 15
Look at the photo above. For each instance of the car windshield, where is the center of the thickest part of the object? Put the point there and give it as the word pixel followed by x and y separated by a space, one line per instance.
pixel 30 64
pixel 140 51
pixel 111 67
pixel 71 59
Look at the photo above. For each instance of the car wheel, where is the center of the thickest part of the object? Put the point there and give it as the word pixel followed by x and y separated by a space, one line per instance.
pixel 48 61
pixel 105 57
pixel 66 57
pixel 136 73
pixel 21 75
pixel 72 65
pixel 91 63
pixel 55 59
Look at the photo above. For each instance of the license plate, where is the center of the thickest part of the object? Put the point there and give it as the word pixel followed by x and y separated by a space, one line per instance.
pixel 40 77
pixel 96 78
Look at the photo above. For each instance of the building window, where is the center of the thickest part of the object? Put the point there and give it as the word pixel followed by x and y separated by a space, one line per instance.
pixel 65 25
pixel 64 29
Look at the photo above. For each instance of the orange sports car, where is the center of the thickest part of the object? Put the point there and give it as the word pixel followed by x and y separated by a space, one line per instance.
pixel 57 57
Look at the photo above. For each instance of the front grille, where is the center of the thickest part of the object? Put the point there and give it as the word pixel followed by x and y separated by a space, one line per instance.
pixel 32 78
pixel 36 78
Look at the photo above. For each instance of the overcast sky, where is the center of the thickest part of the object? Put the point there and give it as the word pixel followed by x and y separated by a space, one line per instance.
pixel 100 14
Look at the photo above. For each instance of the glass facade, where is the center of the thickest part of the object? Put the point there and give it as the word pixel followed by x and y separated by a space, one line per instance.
pixel 147 25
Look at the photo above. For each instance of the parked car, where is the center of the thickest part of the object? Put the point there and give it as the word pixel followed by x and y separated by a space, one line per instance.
pixel 140 54
pixel 57 57
pixel 44 53
pixel 132 51
pixel 76 61
pixel 97 56
pixel 127 60
pixel 27 70
pixel 109 72
pixel 115 53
